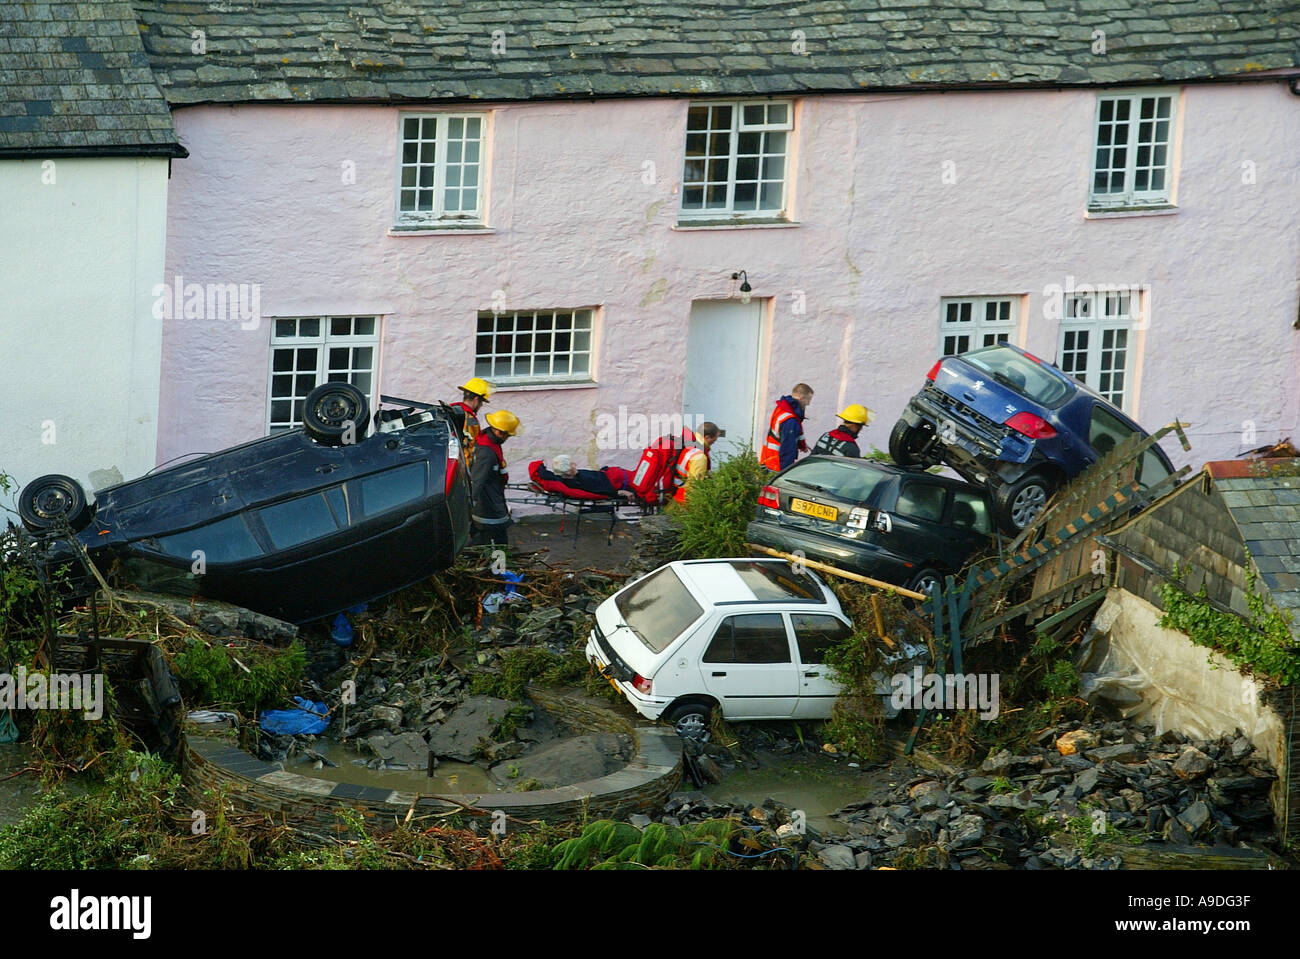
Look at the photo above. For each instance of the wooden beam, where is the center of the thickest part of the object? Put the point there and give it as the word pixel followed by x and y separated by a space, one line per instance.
pixel 836 571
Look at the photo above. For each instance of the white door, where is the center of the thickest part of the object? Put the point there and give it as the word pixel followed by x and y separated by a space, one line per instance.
pixel 722 350
pixel 748 668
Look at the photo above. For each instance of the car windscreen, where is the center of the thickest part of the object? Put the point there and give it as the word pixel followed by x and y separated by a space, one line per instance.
pixel 777 581
pixel 845 478
pixel 658 608
pixel 1021 374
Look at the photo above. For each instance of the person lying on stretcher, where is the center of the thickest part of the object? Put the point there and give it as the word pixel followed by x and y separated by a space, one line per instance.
pixel 608 481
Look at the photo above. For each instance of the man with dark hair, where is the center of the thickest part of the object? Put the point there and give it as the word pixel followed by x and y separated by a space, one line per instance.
pixel 785 440
pixel 693 462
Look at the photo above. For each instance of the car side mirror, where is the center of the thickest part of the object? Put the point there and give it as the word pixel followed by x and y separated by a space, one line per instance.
pixel 882 523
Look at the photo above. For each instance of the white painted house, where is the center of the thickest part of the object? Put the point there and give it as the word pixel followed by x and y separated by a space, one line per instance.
pixel 86 142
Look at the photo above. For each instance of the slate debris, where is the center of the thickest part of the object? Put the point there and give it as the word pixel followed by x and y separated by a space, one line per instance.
pixel 1153 787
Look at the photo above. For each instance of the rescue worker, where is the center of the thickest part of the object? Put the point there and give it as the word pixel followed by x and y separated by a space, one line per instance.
pixel 693 461
pixel 785 440
pixel 488 479
pixel 474 394
pixel 843 440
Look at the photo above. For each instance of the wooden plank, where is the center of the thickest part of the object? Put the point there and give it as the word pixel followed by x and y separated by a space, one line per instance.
pixel 836 571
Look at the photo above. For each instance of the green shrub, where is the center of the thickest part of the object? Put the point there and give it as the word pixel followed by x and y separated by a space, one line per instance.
pixel 209 676
pixel 718 508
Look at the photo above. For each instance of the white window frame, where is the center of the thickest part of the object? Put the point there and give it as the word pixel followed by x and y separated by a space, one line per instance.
pixel 978 327
pixel 322 343
pixel 506 324
pixel 739 126
pixel 1130 196
pixel 1107 316
pixel 439 217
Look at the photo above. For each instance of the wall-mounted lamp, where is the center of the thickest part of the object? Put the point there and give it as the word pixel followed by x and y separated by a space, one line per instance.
pixel 745 288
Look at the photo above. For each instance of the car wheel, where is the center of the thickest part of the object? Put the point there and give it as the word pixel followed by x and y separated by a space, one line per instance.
pixel 905 443
pixel 692 720
pixel 926 580
pixel 50 501
pixel 329 411
pixel 1021 501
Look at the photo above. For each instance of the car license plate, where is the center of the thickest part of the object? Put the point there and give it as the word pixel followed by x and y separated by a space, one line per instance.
pixel 814 509
pixel 601 668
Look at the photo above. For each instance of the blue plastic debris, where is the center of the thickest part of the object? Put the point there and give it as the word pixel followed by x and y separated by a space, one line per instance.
pixel 511 579
pixel 341 630
pixel 308 719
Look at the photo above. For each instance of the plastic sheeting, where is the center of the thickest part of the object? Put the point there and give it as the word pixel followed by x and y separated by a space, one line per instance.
pixel 1160 677
pixel 308 719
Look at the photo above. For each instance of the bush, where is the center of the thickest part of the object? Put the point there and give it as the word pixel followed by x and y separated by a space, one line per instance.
pixel 210 677
pixel 719 507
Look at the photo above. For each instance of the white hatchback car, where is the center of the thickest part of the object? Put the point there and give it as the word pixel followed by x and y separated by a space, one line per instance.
pixel 746 636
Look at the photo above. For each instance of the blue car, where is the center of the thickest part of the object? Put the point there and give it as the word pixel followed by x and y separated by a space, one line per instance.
pixel 1004 419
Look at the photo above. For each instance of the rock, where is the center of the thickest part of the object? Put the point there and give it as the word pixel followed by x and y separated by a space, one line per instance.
pixel 837 857
pixel 998 763
pixel 1086 781
pixel 709 770
pixel 638 820
pixel 1176 833
pixel 472 723
pixel 1076 742
pixel 965 832
pixel 565 761
pixel 862 860
pixel 1120 752
pixel 1194 817
pixel 1192 764
pixel 1241 748
pixel 409 750
pixel 976 783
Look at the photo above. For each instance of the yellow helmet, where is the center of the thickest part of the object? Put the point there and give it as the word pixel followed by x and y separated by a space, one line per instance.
pixel 856 413
pixel 505 421
pixel 479 387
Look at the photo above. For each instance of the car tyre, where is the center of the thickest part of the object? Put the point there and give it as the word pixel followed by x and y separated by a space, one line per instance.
pixel 691 720
pixel 48 502
pixel 904 441
pixel 330 408
pixel 1020 502
pixel 926 580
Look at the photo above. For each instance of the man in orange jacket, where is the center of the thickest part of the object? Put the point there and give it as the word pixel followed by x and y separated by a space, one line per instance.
pixel 785 440
pixel 693 462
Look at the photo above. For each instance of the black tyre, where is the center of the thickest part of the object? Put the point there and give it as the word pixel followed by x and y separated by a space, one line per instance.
pixel 1019 502
pixel 926 580
pixel 691 720
pixel 906 442
pixel 331 409
pixel 50 501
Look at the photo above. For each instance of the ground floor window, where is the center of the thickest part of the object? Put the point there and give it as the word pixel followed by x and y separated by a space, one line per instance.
pixel 1096 341
pixel 534 346
pixel 309 350
pixel 967 323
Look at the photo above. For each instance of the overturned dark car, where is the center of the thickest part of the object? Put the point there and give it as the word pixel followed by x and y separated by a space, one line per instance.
pixel 298 525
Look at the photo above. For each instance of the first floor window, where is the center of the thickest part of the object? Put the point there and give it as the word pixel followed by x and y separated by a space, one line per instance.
pixel 1131 162
pixel 441 169
pixel 526 346
pixel 968 324
pixel 1096 341
pixel 309 350
pixel 736 160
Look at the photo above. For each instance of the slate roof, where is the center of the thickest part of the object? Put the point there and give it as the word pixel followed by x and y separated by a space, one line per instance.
pixel 390 50
pixel 1263 497
pixel 74 79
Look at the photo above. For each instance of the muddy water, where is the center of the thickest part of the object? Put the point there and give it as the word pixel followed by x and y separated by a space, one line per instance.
pixel 19 794
pixel 816 786
pixel 449 777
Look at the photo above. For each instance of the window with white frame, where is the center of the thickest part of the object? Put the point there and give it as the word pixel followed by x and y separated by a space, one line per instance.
pixel 968 323
pixel 309 350
pixel 528 346
pixel 736 160
pixel 1131 164
pixel 1096 336
pixel 441 179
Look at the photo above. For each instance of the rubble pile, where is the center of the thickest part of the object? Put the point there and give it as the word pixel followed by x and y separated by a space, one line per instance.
pixel 1070 802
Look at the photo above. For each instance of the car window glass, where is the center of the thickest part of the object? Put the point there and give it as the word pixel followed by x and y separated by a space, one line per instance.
pixel 339 504
pixel 658 608
pixel 391 489
pixel 1018 372
pixel 970 511
pixel 815 634
pixel 777 581
pixel 1151 468
pixel 225 541
pixel 750 638
pixel 847 479
pixel 298 520
pixel 1106 430
pixel 921 501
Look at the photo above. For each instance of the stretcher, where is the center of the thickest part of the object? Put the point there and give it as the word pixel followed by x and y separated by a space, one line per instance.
pixel 555 495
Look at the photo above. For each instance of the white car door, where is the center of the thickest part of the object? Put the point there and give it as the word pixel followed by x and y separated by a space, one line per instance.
pixel 813 634
pixel 748 667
